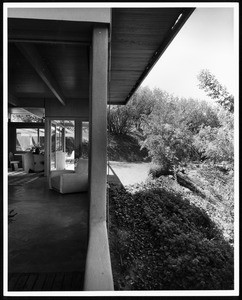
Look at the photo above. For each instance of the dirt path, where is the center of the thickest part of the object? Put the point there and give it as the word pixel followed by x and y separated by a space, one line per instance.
pixel 130 173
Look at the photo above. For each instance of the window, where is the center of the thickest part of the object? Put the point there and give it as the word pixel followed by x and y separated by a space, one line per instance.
pixel 27 138
pixel 24 118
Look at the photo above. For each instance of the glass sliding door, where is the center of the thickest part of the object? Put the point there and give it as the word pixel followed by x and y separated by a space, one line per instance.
pixel 62 144
pixel 53 147
pixel 70 144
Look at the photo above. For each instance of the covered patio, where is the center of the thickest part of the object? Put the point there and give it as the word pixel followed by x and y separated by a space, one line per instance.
pixel 65 65
pixel 48 236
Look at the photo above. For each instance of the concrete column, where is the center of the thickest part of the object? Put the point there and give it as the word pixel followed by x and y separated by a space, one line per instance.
pixel 98 273
pixel 98 125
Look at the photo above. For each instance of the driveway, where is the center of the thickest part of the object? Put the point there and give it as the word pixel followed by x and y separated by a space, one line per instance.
pixel 130 173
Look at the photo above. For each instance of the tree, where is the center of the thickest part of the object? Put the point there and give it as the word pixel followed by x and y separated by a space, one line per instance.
pixel 119 120
pixel 194 114
pixel 217 144
pixel 141 104
pixel 215 90
pixel 167 136
pixel 125 119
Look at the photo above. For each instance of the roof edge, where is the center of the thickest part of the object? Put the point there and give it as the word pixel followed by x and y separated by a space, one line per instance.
pixel 185 14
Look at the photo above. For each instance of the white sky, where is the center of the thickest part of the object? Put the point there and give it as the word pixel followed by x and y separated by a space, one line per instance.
pixel 206 41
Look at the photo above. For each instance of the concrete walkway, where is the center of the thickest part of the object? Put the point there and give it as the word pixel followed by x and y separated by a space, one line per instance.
pixel 49 232
pixel 130 173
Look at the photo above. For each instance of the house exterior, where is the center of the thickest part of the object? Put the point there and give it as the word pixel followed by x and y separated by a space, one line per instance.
pixel 69 64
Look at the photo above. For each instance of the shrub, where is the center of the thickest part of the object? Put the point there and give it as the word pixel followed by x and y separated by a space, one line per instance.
pixel 158 170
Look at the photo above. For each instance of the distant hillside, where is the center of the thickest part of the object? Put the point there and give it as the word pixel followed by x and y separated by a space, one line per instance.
pixel 126 148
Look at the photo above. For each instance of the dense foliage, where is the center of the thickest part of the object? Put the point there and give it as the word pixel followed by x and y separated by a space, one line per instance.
pixel 217 144
pixel 160 240
pixel 176 130
pixel 120 120
pixel 170 129
pixel 125 119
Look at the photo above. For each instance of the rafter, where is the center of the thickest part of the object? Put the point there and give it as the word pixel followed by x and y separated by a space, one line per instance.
pixel 34 58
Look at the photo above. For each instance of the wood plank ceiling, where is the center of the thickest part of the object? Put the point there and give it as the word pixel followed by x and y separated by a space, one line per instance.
pixel 59 50
pixel 48 60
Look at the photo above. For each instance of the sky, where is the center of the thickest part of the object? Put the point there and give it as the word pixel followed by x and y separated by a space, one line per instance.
pixel 206 41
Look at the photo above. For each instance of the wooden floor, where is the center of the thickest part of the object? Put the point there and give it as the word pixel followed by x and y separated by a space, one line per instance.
pixel 46 281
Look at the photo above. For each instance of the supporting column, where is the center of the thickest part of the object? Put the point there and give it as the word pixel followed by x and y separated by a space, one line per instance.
pixel 47 147
pixel 98 274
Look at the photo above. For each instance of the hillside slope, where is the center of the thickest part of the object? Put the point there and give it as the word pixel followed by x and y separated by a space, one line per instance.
pixel 166 236
pixel 125 148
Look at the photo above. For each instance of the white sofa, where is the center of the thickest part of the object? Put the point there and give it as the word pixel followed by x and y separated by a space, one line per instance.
pixel 68 181
pixel 33 162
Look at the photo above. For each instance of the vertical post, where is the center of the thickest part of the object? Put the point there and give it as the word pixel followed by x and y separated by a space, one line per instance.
pixel 98 272
pixel 98 124
pixel 64 139
pixel 47 147
pixel 55 145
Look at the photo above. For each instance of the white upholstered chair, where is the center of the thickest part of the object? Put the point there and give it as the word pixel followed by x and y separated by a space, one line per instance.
pixel 68 181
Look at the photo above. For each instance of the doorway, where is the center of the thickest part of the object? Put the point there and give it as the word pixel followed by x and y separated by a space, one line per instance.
pixel 62 145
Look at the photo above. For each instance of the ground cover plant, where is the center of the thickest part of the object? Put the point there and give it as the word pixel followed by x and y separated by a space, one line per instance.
pixel 162 238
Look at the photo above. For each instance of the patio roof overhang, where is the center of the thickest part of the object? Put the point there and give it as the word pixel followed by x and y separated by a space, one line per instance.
pixel 49 58
pixel 139 38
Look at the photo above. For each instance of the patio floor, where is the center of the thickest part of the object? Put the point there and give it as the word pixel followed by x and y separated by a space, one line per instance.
pixel 48 236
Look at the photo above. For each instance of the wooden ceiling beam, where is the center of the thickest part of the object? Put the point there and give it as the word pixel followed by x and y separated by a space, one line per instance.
pixel 51 41
pixel 33 57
